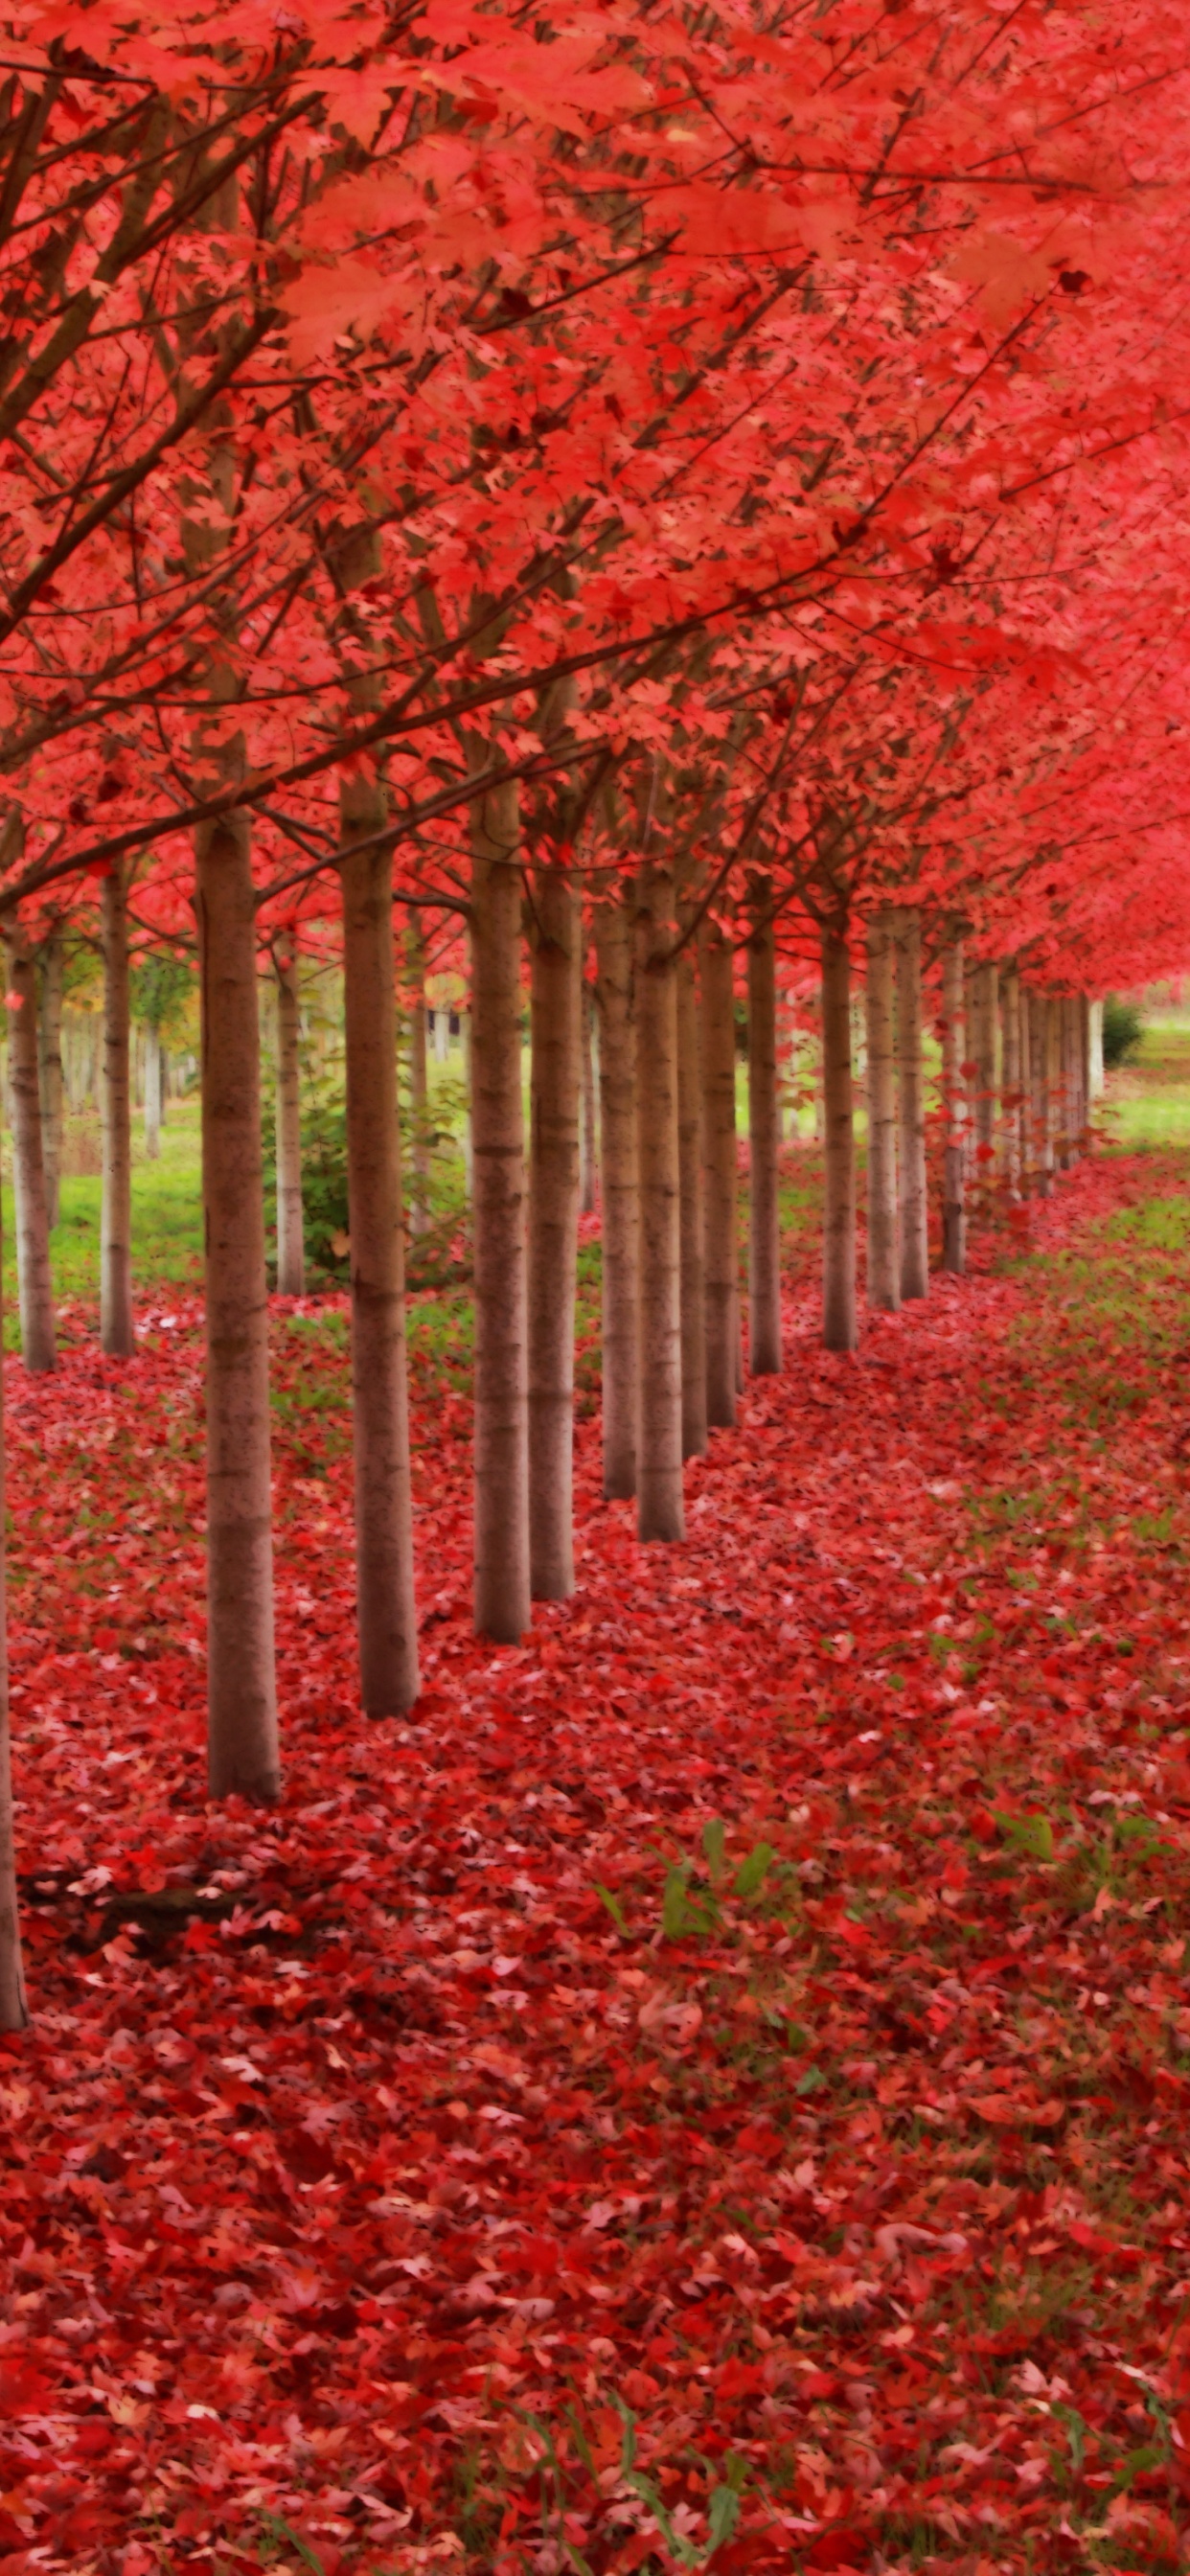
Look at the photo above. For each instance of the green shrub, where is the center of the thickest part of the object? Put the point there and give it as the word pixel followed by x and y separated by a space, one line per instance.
pixel 325 1217
pixel 1123 1029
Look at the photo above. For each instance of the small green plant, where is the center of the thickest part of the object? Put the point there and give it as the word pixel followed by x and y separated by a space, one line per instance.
pixel 1123 1029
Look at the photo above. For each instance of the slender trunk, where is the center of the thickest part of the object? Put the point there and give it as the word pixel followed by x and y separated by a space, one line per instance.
pixel 764 1231
pixel 589 1151
pixel 884 1269
pixel 721 1258
pixel 419 1085
pixel 34 1282
pixel 840 1328
pixel 915 1255
pixel 1085 1068
pixel 621 1209
pixel 660 1506
pixel 291 1237
pixel 152 1095
pixel 441 1036
pixel 1010 998
pixel 1074 1101
pixel 386 1618
pixel 1095 1071
pixel 243 1744
pixel 502 1595
pixel 1039 1063
pixel 555 1015
pixel 14 2009
pixel 468 1141
pixel 693 1223
pixel 1025 1087
pixel 954 1098
pixel 1055 1068
pixel 115 1255
pixel 50 1042
pixel 984 1051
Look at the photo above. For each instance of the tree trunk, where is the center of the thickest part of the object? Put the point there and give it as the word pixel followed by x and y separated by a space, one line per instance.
pixel 1055 1066
pixel 1074 1088
pixel 34 1281
pixel 660 1505
pixel 291 1238
pixel 840 1329
pixel 1085 1068
pixel 692 1222
pixel 502 1595
pixel 115 1255
pixel 1010 1148
pixel 589 1183
pixel 468 1142
pixel 419 1082
pixel 621 1203
pixel 984 1051
pixel 721 1256
pixel 1095 1069
pixel 884 1268
pixel 386 1618
pixel 915 1254
pixel 152 1095
pixel 14 2010
pixel 764 1233
pixel 50 1047
pixel 243 1750
pixel 954 1097
pixel 1039 1062
pixel 555 1007
pixel 1025 1108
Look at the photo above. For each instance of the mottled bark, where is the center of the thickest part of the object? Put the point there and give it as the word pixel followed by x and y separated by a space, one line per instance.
pixel 911 1138
pixel 419 1082
pixel 884 1251
pixel 1010 1102
pixel 291 1240
pixel 501 1452
pixel 555 933
pixel 721 1178
pixel 764 1233
pixel 34 1280
pixel 840 1328
pixel 115 1250
pixel 621 1200
pixel 954 1096
pixel 243 1746
pixel 692 1224
pixel 50 1055
pixel 659 1497
pixel 386 1619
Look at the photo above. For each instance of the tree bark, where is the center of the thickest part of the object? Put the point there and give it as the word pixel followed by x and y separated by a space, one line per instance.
pixel 1039 1062
pixel 502 1592
pixel 1025 1107
pixel 1095 1072
pixel 115 1256
pixel 555 930
pixel 659 1498
pixel 621 1198
pixel 840 1328
pixel 721 1257
pixel 244 1751
pixel 1085 1068
pixel 1010 1132
pixel 692 1219
pixel 884 1266
pixel 50 1048
pixel 34 1280
pixel 764 1232
pixel 915 1254
pixel 589 1164
pixel 419 1082
pixel 1055 1067
pixel 984 1051
pixel 954 1095
pixel 386 1617
pixel 291 1239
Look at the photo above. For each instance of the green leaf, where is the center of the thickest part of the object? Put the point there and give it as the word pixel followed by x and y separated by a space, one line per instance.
pixel 752 1873
pixel 675 1908
pixel 813 2081
pixel 1031 1834
pixel 714 1841
pixel 614 1907
pixel 279 2530
pixel 724 2515
pixel 678 2547
pixel 628 2448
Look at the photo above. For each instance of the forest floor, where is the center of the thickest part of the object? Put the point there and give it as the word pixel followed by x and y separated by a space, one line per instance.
pixel 716 2083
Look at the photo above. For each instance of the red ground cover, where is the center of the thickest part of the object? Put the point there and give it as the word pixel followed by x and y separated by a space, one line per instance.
pixel 717 2080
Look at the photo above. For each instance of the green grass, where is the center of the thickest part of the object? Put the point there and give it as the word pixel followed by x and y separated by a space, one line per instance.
pixel 1148 1101
pixel 166 1221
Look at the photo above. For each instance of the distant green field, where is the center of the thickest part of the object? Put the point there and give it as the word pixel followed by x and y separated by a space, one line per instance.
pixel 1148 1101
